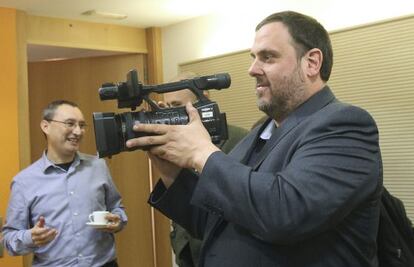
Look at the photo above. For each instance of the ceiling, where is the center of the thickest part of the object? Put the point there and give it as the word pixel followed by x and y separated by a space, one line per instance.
pixel 161 13
pixel 139 13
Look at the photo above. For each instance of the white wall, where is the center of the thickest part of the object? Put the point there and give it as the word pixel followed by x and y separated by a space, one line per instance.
pixel 232 27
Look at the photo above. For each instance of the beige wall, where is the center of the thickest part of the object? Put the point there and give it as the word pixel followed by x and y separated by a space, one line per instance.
pixel 233 30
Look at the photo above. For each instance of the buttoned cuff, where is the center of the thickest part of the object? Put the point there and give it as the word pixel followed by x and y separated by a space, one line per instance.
pixel 27 238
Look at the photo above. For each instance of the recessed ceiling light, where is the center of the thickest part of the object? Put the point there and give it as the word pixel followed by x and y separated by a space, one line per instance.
pixel 107 15
pixel 55 59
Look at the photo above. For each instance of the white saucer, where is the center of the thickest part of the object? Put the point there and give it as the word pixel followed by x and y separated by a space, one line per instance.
pixel 97 225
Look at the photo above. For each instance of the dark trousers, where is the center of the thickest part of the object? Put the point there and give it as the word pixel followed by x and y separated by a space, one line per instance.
pixel 111 264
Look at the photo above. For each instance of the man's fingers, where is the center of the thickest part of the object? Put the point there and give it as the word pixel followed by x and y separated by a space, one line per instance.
pixel 41 222
pixel 44 241
pixel 113 226
pixel 42 233
pixel 114 223
pixel 192 112
pixel 113 218
pixel 37 231
pixel 149 140
pixel 142 141
pixel 43 236
pixel 151 128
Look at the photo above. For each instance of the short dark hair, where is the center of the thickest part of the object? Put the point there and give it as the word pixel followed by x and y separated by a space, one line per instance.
pixel 49 111
pixel 307 33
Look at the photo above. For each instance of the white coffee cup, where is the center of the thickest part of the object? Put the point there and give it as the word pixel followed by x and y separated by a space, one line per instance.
pixel 98 217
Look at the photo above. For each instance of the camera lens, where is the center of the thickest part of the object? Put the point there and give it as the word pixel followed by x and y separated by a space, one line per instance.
pixel 113 130
pixel 107 134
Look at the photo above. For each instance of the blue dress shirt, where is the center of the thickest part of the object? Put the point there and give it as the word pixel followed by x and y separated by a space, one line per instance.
pixel 65 199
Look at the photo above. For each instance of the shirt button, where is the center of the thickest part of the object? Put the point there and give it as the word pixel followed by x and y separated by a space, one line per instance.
pixel 80 255
pixel 71 192
pixel 75 214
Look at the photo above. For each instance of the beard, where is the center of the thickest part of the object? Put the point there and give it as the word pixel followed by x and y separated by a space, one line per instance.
pixel 289 93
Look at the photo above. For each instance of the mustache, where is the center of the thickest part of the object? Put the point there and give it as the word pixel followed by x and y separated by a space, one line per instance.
pixel 261 81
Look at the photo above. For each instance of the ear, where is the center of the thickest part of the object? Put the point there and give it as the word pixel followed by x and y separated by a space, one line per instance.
pixel 313 60
pixel 44 125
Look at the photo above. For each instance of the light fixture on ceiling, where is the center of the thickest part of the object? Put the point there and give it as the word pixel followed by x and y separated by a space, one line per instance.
pixel 54 59
pixel 107 15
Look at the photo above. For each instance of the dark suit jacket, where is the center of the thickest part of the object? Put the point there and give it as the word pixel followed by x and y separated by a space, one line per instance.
pixel 311 197
pixel 187 248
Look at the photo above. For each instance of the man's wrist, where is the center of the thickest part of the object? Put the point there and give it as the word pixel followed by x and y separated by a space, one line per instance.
pixel 27 238
pixel 202 157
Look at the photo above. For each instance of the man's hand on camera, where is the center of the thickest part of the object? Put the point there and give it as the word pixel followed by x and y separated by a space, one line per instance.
pixel 187 146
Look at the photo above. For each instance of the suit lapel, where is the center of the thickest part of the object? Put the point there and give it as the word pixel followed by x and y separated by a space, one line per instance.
pixel 309 107
pixel 242 151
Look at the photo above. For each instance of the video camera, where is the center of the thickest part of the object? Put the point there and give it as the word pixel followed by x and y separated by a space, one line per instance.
pixel 113 130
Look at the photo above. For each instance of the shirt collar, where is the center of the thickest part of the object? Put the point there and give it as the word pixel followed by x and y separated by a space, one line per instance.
pixel 267 132
pixel 316 102
pixel 46 163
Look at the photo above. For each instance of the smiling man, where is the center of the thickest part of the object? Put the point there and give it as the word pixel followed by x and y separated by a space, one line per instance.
pixel 302 189
pixel 51 199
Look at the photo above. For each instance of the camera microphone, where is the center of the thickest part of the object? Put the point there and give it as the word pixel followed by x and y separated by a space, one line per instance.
pixel 216 81
pixel 108 91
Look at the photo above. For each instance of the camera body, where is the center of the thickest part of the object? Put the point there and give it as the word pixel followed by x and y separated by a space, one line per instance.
pixel 113 130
